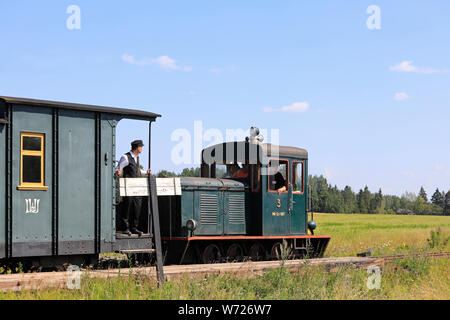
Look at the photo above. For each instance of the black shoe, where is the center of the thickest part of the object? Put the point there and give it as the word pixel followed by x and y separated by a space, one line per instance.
pixel 136 231
pixel 127 232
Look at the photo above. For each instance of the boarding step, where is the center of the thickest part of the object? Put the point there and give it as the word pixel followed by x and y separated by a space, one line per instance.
pixel 121 235
pixel 136 251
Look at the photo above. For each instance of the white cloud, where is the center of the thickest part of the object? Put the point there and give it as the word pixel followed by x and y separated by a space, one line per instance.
pixel 164 62
pixel 295 107
pixel 407 66
pixel 399 96
pixel 129 59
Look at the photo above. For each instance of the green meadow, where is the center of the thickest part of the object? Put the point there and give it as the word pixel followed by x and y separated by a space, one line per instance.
pixel 384 234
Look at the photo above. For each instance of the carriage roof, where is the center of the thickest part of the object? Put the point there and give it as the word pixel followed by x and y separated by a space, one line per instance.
pixel 138 114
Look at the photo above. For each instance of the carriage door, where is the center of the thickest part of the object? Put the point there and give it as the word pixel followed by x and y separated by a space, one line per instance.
pixel 276 204
pixel 298 209
pixel 32 178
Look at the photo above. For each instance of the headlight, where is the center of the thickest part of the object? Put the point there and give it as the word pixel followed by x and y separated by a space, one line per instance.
pixel 191 224
pixel 312 225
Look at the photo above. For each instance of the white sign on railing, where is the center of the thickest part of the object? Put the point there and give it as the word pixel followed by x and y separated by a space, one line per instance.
pixel 138 187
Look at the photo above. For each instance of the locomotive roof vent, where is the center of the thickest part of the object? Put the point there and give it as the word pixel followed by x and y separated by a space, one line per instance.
pixel 255 137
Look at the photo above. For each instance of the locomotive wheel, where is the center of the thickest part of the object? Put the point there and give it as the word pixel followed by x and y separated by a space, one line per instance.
pixel 235 252
pixel 257 252
pixel 211 254
pixel 277 252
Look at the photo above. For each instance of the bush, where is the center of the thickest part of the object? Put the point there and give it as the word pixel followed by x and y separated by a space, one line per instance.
pixel 416 266
pixel 437 239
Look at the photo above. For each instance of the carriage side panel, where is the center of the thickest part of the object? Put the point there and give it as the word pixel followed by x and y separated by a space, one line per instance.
pixel 76 204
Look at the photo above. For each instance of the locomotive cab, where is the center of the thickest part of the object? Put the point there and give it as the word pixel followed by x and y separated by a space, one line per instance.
pixel 275 188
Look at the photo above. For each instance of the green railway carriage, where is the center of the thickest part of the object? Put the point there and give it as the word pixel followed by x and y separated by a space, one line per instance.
pixel 57 183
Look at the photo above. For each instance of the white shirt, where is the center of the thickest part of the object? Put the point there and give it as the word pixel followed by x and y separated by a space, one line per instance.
pixel 123 162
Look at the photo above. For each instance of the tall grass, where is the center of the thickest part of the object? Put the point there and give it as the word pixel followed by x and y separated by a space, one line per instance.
pixel 412 278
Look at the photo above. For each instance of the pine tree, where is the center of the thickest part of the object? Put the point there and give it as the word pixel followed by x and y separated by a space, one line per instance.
pixel 378 200
pixel 447 203
pixel 314 194
pixel 423 194
pixel 364 200
pixel 359 200
pixel 324 195
pixel 438 198
pixel 349 198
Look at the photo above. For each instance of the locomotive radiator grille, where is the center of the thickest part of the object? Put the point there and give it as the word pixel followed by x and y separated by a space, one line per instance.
pixel 236 209
pixel 209 209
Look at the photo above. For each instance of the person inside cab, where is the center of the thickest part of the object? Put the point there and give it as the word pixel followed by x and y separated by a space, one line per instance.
pixel 242 173
pixel 277 180
pixel 280 182
pixel 232 169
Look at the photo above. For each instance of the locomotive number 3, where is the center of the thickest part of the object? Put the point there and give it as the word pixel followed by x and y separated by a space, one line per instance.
pixel 278 203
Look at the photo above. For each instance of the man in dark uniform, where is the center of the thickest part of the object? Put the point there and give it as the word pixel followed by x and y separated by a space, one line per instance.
pixel 280 183
pixel 130 167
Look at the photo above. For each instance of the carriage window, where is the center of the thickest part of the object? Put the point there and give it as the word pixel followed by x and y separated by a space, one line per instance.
pixel 278 175
pixel 32 161
pixel 231 170
pixel 298 175
pixel 221 170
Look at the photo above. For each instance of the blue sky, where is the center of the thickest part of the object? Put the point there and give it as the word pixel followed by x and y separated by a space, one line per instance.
pixel 370 106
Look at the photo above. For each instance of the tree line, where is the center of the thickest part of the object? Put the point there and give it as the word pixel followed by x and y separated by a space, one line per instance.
pixel 328 198
pixel 187 172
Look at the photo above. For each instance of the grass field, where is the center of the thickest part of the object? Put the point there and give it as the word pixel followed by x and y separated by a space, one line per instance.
pixel 384 234
pixel 410 278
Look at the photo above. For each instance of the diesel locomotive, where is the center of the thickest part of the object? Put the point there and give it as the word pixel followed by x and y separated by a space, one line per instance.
pixel 224 217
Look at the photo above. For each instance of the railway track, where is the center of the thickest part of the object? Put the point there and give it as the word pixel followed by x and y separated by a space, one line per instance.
pixel 42 280
pixel 390 258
